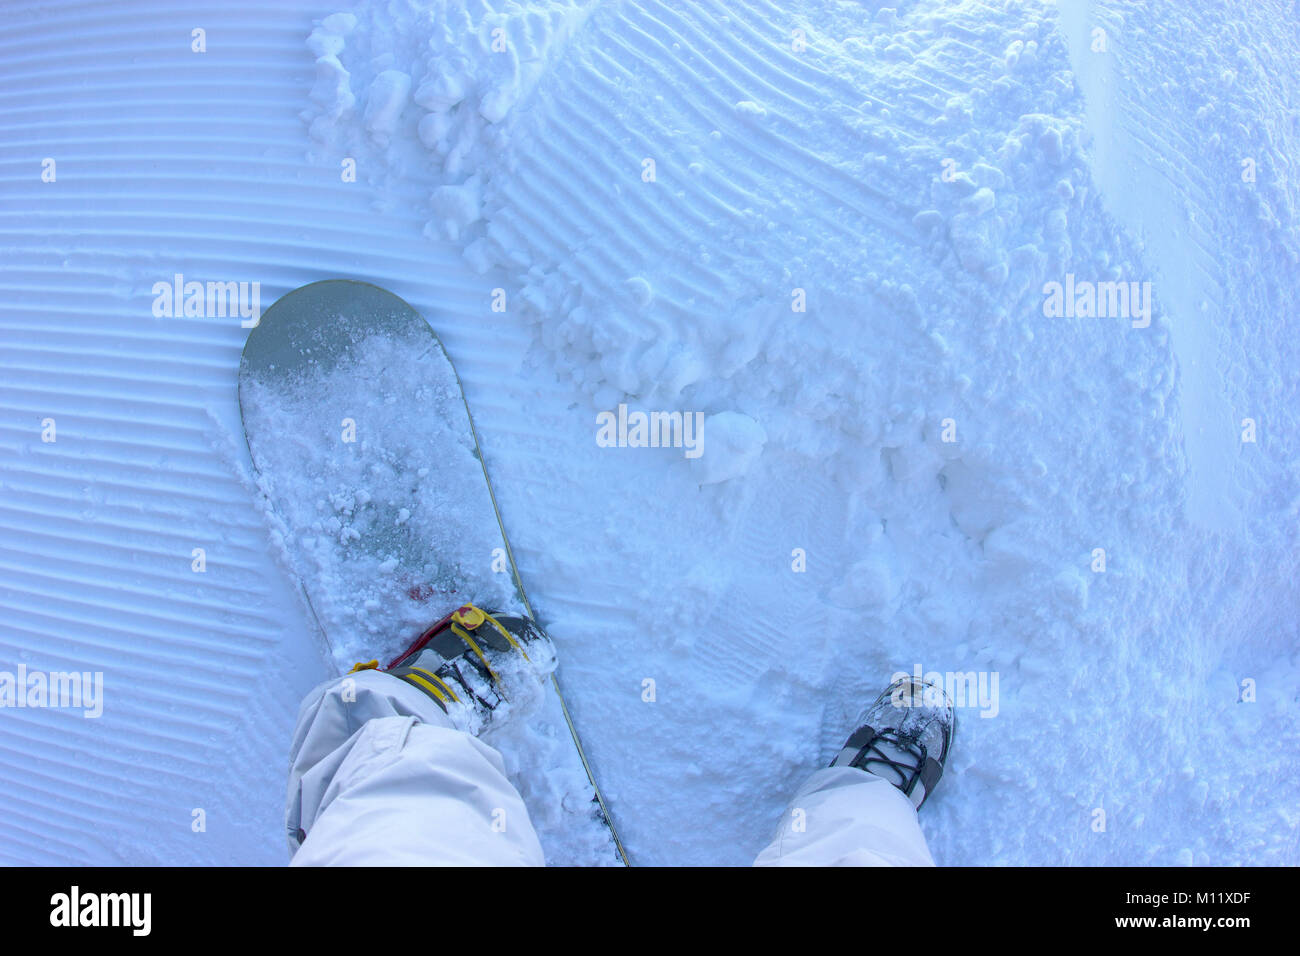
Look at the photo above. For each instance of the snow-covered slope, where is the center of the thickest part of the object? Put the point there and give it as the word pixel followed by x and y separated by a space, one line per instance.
pixel 827 229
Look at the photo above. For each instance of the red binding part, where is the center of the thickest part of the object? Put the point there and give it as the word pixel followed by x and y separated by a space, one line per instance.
pixel 423 639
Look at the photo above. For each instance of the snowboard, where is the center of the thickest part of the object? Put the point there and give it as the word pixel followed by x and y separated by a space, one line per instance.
pixel 380 503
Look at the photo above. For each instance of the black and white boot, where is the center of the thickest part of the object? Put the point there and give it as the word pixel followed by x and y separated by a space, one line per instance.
pixel 904 737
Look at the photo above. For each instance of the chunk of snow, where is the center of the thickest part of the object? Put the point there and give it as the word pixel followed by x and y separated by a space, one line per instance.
pixel 457 206
pixel 730 443
pixel 340 23
pixel 385 101
pixel 332 89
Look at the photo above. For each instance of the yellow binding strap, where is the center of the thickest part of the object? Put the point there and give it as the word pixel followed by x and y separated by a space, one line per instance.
pixel 417 679
pixel 507 635
pixel 471 617
pixel 437 680
pixel 464 636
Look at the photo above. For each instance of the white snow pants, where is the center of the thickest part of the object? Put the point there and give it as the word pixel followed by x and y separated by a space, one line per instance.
pixel 379 777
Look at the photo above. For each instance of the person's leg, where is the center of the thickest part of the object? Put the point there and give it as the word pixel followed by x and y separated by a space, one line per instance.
pixel 843 816
pixel 380 776
pixel 861 810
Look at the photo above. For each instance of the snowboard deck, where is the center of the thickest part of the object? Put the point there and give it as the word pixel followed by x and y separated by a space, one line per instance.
pixel 365 448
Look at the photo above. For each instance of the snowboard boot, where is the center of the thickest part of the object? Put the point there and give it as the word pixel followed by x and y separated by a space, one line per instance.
pixel 904 738
pixel 471 663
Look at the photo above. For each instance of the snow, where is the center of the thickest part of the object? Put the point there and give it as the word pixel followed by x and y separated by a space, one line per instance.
pixel 734 442
pixel 834 245
pixel 385 101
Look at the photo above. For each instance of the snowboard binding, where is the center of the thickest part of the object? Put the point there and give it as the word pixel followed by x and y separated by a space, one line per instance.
pixel 904 737
pixel 471 662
